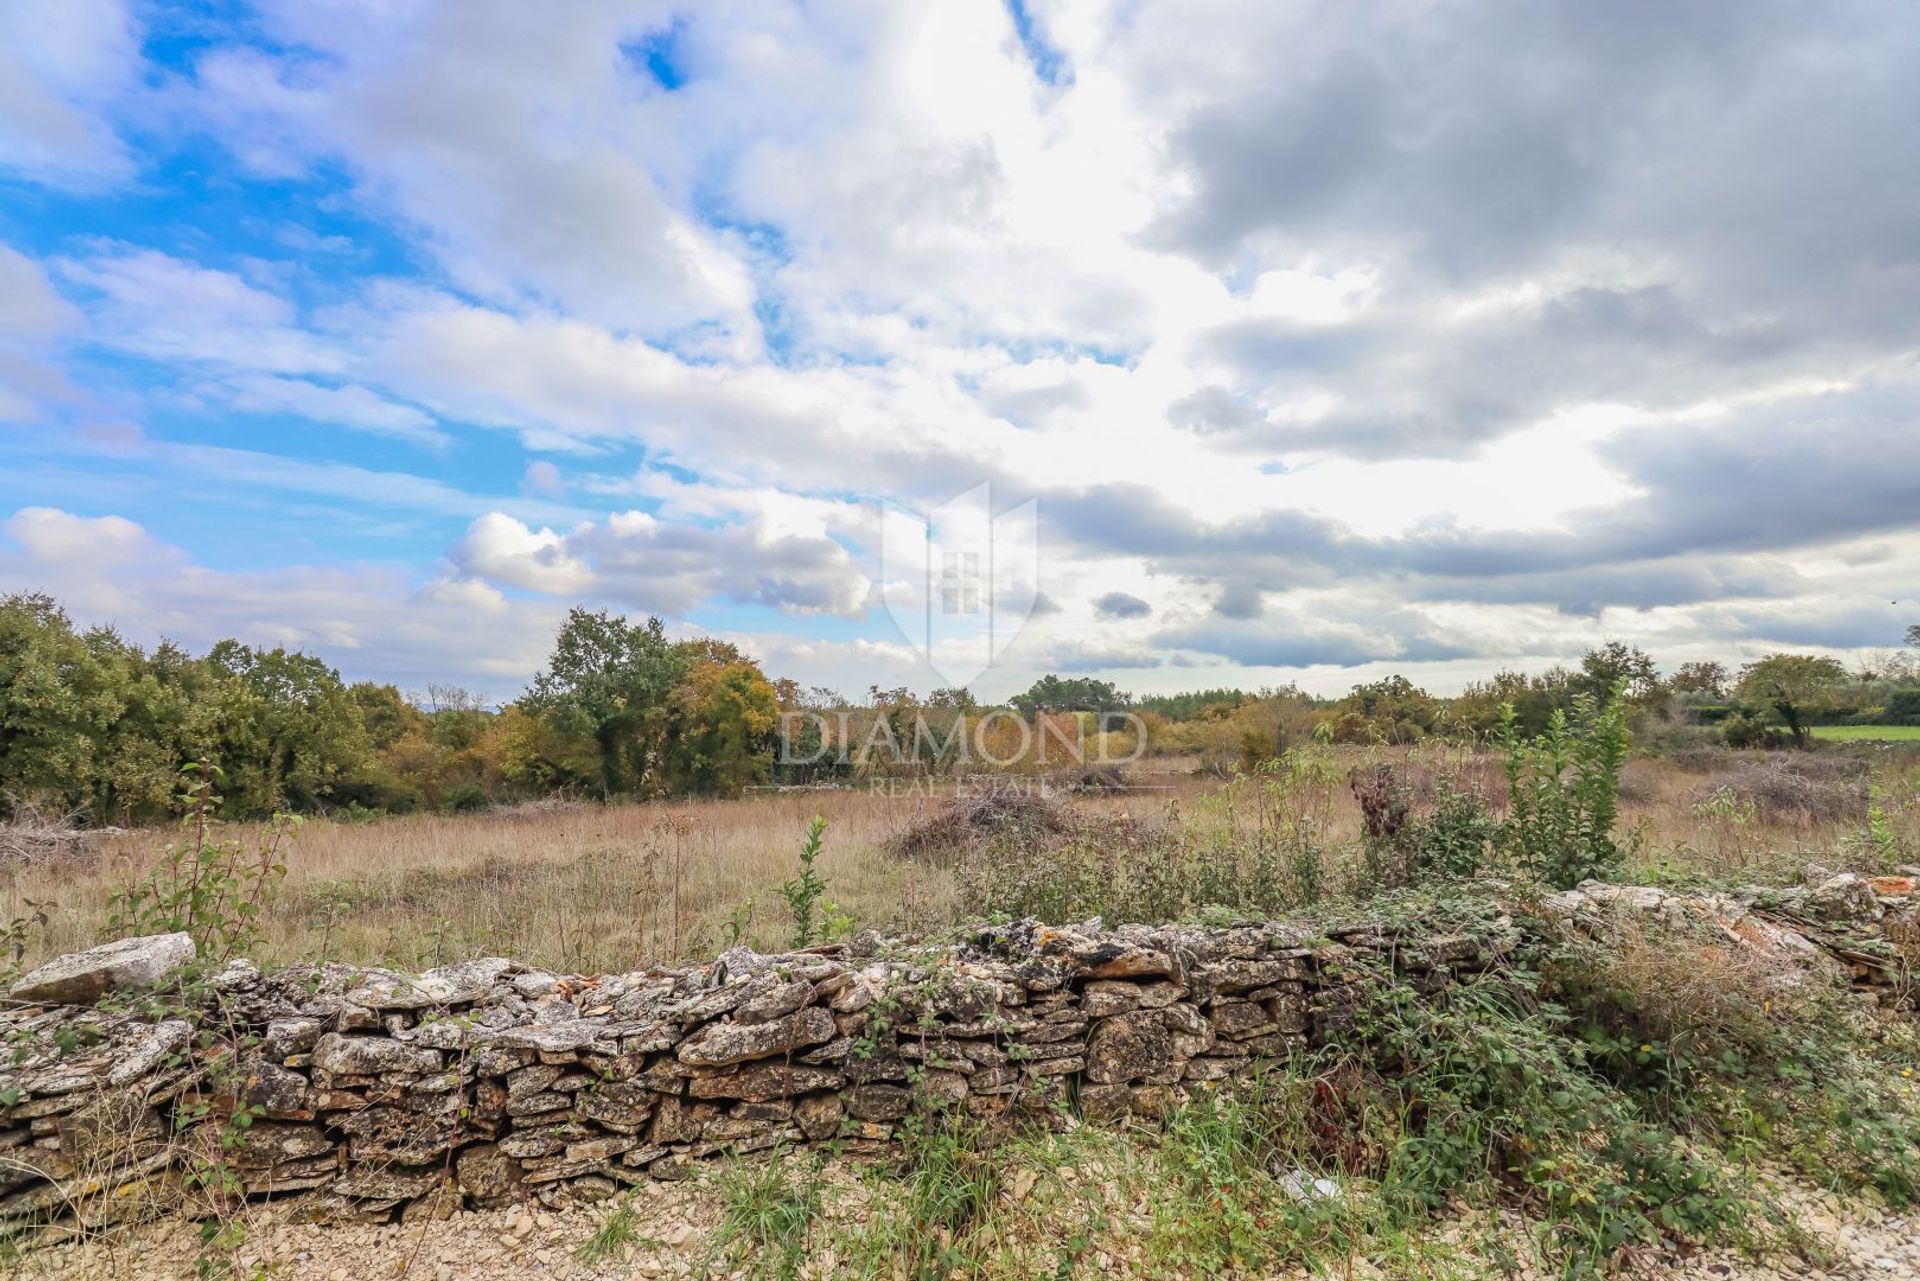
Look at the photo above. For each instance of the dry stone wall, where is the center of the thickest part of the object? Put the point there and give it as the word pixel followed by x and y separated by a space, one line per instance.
pixel 367 1093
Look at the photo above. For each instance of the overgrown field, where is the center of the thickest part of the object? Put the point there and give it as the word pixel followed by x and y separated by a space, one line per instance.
pixel 584 887
pixel 1593 1105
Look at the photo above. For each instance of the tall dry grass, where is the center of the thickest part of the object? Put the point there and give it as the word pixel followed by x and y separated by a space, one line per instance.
pixel 589 888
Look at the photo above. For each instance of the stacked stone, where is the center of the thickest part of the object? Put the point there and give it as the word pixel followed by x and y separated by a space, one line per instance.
pixel 370 1093
pixel 1861 929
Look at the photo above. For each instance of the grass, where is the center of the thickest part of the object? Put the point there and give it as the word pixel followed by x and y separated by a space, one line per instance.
pixel 769 1209
pixel 590 888
pixel 615 1238
pixel 1867 733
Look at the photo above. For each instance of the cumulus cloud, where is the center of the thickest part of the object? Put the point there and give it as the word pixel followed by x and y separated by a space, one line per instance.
pixel 521 144
pixel 1344 335
pixel 665 567
pixel 369 621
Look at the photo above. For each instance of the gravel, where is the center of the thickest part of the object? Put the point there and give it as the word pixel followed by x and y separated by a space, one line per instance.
pixel 1845 1240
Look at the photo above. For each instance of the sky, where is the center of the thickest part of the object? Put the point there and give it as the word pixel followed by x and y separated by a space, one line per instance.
pixel 1314 341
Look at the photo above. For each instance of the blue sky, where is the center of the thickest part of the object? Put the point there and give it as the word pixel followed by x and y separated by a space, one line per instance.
pixel 1336 340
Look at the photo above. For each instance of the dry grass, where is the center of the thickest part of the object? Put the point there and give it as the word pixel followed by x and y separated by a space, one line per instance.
pixel 575 888
pixel 32 838
pixel 586 888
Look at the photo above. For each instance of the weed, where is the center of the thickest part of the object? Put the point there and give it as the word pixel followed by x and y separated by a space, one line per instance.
pixel 815 917
pixel 1563 791
pixel 615 1238
pixel 927 1212
pixel 769 1209
pixel 211 890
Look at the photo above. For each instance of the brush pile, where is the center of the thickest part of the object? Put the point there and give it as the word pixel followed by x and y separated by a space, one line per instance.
pixel 32 839
pixel 979 812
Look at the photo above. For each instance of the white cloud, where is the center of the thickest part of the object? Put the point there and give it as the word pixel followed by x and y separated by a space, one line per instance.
pixel 62 65
pixel 499 547
pixel 32 318
pixel 368 621
pixel 54 537
pixel 348 405
pixel 542 479
pixel 1310 327
pixel 665 567
pixel 523 147
pixel 154 305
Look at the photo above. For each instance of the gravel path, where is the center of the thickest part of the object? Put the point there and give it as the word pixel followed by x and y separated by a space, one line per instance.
pixel 1848 1241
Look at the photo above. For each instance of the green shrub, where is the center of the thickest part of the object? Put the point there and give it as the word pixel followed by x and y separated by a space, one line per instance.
pixel 1453 840
pixel 1745 733
pixel 1563 791
pixel 1741 1048
pixel 1498 1098
pixel 469 798
pixel 816 918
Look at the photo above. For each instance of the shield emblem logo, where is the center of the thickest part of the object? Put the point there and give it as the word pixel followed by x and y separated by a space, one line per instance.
pixel 959 581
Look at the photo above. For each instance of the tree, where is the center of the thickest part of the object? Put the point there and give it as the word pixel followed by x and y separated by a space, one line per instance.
pixel 609 680
pixel 1707 678
pixel 1392 709
pixel 289 729
pixel 1535 699
pixel 1913 634
pixel 724 714
pixel 386 716
pixel 1080 694
pixel 1795 686
pixel 61 694
pixel 1617 665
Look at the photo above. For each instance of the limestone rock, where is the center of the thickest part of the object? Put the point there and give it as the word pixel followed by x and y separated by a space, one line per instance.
pixel 1128 1047
pixel 719 1044
pixel 760 1081
pixel 370 1056
pixel 288 1037
pixel 873 1102
pixel 818 1115
pixel 163 1042
pixel 84 977
pixel 280 1092
pixel 618 1105
pixel 775 1003
pixel 1845 897
pixel 460 984
pixel 394 1183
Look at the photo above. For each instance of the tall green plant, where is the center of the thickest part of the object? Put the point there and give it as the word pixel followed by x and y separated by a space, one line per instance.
pixel 804 892
pixel 212 890
pixel 1564 789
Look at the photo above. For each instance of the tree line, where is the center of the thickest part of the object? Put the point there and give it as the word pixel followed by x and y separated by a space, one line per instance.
pixel 1774 701
pixel 95 726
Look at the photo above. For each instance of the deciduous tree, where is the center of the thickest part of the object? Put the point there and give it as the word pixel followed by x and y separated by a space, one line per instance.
pixel 1795 686
pixel 608 681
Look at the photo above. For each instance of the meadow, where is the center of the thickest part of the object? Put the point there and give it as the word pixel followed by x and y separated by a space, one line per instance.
pixel 583 887
pixel 1867 733
pixel 1581 1111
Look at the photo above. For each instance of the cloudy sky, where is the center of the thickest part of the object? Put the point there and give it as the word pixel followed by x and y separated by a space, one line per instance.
pixel 1326 339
